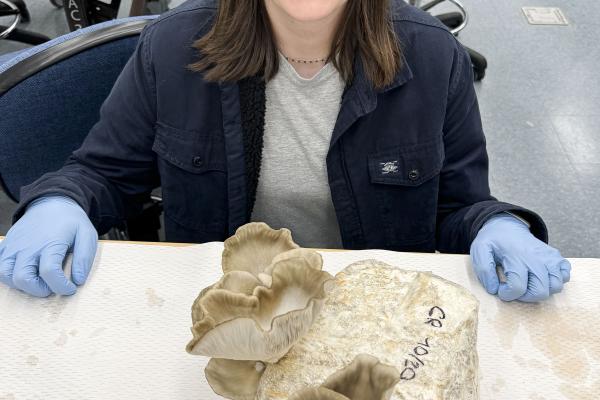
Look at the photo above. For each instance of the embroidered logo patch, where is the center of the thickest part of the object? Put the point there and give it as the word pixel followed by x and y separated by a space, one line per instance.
pixel 390 167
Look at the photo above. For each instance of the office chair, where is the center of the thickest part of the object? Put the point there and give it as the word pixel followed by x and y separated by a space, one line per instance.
pixel 79 14
pixel 83 13
pixel 456 22
pixel 18 11
pixel 50 97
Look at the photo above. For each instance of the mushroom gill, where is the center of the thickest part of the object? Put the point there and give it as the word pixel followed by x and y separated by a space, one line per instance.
pixel 257 322
pixel 318 393
pixel 235 380
pixel 365 378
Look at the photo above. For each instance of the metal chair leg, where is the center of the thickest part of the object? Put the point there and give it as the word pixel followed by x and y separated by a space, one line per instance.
pixel 23 36
pixel 9 9
pixel 452 19
pixel 138 7
pixel 25 17
pixel 479 63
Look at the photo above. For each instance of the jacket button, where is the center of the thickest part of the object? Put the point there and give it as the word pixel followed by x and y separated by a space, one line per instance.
pixel 414 174
pixel 197 161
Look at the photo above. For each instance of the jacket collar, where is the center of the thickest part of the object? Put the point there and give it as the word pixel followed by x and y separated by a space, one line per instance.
pixel 360 97
pixel 362 89
pixel 404 75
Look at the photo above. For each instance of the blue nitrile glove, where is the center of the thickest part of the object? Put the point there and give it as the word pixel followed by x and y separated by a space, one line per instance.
pixel 533 269
pixel 33 251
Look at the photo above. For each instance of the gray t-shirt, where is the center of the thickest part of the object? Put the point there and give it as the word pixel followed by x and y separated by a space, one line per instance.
pixel 293 190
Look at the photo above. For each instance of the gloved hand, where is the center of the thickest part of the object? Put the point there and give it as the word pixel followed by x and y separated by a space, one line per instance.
pixel 533 269
pixel 33 251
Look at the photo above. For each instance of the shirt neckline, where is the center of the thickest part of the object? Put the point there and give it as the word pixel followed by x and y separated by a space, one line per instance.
pixel 290 72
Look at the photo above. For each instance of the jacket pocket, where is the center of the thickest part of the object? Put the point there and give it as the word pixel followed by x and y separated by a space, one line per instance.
pixel 189 150
pixel 405 180
pixel 193 172
pixel 406 165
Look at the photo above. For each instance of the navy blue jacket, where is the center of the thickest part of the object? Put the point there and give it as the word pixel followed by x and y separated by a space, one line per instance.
pixel 407 165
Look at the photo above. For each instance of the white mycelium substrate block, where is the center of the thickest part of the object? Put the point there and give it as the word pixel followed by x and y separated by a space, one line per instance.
pixel 423 325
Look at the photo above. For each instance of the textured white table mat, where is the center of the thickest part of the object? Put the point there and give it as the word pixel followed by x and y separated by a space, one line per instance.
pixel 122 336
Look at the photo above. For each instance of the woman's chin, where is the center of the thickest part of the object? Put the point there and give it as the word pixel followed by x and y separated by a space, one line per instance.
pixel 309 10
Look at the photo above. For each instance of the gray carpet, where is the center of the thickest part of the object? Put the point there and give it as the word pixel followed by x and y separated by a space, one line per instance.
pixel 540 109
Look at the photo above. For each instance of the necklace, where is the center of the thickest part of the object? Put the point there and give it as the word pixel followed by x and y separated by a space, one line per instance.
pixel 298 61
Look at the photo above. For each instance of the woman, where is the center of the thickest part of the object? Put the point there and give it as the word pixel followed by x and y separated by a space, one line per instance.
pixel 352 122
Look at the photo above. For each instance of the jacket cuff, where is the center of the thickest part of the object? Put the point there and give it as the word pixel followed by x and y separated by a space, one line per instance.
pixel 28 198
pixel 536 224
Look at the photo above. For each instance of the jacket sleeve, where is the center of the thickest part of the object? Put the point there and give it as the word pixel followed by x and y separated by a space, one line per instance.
pixel 465 202
pixel 115 167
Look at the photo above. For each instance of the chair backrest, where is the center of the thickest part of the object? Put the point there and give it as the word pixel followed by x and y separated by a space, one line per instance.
pixel 50 97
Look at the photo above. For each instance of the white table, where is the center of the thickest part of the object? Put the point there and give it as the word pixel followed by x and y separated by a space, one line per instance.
pixel 122 336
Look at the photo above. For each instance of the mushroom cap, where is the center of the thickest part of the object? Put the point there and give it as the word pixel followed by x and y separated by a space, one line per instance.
pixel 313 258
pixel 365 378
pixel 254 246
pixel 256 322
pixel 235 380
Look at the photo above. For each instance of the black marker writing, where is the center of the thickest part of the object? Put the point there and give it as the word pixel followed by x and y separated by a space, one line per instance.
pixel 415 359
pixel 436 315
pixel 420 350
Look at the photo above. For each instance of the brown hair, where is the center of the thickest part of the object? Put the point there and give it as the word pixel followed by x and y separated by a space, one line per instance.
pixel 241 43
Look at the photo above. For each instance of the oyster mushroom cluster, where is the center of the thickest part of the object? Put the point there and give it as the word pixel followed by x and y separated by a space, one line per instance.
pixel 269 296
